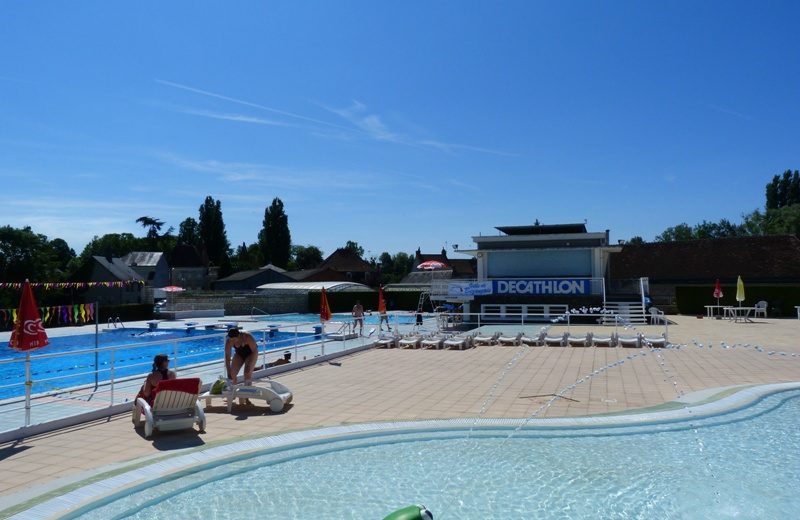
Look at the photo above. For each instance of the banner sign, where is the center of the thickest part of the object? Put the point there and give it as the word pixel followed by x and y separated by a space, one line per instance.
pixel 461 289
pixel 76 314
pixel 538 287
pixel 70 285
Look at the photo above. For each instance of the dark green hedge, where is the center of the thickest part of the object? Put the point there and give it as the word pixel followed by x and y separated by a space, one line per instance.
pixel 781 298
pixel 344 301
pixel 130 312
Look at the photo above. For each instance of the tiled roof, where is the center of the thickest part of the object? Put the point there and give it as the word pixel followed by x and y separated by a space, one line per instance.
pixel 345 260
pixel 143 258
pixel 754 258
pixel 117 268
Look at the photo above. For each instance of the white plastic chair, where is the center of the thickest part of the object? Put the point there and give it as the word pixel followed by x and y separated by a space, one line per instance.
pixel 657 316
pixel 760 309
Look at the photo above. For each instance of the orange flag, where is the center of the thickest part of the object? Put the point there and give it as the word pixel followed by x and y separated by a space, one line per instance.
pixel 324 308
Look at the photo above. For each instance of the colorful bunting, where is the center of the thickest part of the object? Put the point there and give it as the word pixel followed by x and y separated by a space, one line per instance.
pixel 78 314
pixel 70 285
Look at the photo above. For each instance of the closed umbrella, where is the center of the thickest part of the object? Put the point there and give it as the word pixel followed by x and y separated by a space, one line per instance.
pixel 28 334
pixel 718 291
pixel 739 291
pixel 324 315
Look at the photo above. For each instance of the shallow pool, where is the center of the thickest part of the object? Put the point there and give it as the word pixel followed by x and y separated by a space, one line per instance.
pixel 79 368
pixel 744 464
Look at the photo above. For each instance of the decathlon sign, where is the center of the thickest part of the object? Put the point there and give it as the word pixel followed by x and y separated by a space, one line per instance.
pixel 541 286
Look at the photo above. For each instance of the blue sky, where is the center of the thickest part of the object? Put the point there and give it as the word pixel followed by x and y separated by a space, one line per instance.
pixel 394 125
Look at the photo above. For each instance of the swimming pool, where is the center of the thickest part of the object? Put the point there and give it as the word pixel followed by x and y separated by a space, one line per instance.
pixel 370 319
pixel 78 369
pixel 742 464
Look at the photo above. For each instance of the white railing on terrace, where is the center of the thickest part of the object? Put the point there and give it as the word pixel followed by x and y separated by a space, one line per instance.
pixel 99 385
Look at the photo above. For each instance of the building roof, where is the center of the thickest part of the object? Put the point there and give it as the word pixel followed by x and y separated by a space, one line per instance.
pixel 346 260
pixel 246 275
pixel 143 258
pixel 117 268
pixel 543 229
pixel 770 258
pixel 314 286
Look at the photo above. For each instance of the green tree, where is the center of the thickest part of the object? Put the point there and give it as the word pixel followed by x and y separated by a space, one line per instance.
pixel 189 232
pixel 112 245
pixel 274 239
pixel 153 226
pixel 246 258
pixel 212 234
pixel 63 253
pixel 636 240
pixel 772 193
pixel 676 233
pixel 306 257
pixel 354 247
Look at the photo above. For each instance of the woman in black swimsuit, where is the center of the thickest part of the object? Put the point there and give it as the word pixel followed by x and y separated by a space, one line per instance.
pixel 161 372
pixel 240 350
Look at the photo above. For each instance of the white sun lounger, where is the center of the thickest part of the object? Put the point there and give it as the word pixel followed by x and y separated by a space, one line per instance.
pixel 458 343
pixel 510 340
pixel 604 341
pixel 555 341
pixel 275 394
pixel 175 407
pixel 655 342
pixel 580 341
pixel 533 341
pixel 386 342
pixel 410 342
pixel 485 340
pixel 630 341
pixel 433 342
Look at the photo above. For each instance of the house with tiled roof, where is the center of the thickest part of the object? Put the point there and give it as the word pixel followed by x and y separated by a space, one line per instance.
pixel 151 265
pixel 251 279
pixel 108 269
pixel 343 265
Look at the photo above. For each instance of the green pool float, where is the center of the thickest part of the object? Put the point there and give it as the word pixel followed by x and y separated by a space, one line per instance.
pixel 411 513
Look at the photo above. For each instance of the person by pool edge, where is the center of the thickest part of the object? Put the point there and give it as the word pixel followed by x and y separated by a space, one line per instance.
pixel 358 318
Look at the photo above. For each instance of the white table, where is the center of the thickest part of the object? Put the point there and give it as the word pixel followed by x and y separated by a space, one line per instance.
pixel 710 310
pixel 738 314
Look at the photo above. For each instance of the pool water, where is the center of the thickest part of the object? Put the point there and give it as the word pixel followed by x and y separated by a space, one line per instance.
pixel 373 319
pixel 744 464
pixel 78 369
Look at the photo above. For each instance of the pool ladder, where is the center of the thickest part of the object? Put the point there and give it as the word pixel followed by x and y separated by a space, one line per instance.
pixel 114 321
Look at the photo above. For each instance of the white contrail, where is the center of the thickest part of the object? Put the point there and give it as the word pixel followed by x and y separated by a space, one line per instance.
pixel 254 105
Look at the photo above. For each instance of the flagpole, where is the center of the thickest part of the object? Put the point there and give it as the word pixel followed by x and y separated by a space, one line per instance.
pixel 322 322
pixel 96 341
pixel 28 384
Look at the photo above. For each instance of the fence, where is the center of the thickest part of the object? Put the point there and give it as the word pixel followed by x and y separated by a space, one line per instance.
pixel 116 373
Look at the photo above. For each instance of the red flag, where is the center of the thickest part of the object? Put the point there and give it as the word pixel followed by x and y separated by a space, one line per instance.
pixel 28 333
pixel 324 309
pixel 718 290
pixel 381 300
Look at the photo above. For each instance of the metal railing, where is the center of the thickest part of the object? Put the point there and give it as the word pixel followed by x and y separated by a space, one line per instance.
pixel 98 375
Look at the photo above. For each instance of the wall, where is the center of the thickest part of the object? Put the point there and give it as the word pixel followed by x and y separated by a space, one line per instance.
pixel 540 263
pixel 781 298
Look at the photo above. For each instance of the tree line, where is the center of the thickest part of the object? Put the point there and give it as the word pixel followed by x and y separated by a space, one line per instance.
pixel 27 254
pixel 781 216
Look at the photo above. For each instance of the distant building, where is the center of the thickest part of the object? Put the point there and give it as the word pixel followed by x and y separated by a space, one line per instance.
pixel 107 269
pixel 152 266
pixel 343 265
pixel 187 268
pixel 250 280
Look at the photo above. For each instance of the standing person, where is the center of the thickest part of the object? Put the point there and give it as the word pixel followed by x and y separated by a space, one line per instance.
pixel 240 350
pixel 358 315
pixel 384 317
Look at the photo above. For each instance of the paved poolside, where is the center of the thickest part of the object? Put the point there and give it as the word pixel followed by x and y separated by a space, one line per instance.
pixel 380 385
